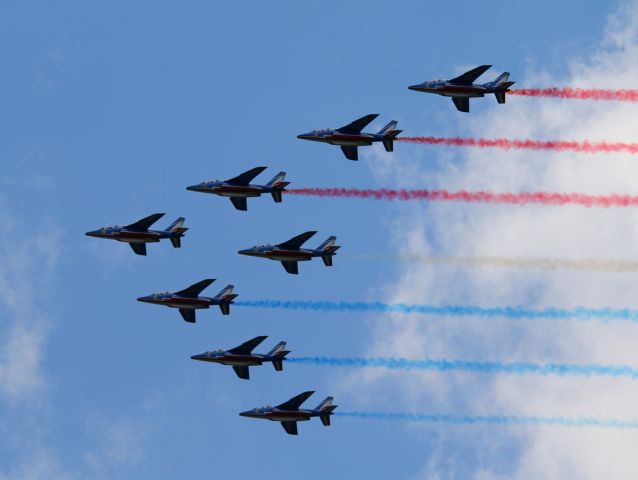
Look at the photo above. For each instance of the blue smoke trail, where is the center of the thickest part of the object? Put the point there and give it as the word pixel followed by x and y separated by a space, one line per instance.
pixel 502 420
pixel 604 314
pixel 519 368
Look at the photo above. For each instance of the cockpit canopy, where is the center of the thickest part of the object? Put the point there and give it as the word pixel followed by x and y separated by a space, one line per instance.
pixel 265 245
pixel 212 182
pixel 111 227
pixel 162 294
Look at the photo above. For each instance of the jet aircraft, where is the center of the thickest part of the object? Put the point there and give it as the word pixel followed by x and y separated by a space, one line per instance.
pixel 289 413
pixel 137 234
pixel 351 136
pixel 188 300
pixel 239 188
pixel 241 357
pixel 462 88
pixel 290 252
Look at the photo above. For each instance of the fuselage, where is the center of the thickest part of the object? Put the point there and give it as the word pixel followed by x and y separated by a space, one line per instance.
pixel 175 301
pixel 234 359
pixel 335 137
pixel 123 235
pixel 276 415
pixel 225 189
pixel 278 254
pixel 448 89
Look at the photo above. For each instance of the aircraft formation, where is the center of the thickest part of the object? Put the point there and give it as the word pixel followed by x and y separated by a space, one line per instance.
pixel 290 252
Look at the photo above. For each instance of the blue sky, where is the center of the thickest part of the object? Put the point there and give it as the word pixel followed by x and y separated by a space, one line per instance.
pixel 111 109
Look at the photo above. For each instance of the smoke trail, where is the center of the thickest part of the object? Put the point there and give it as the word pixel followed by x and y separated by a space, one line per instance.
pixel 517 368
pixel 507 144
pixel 579 93
pixel 524 198
pixel 579 313
pixel 545 263
pixel 502 420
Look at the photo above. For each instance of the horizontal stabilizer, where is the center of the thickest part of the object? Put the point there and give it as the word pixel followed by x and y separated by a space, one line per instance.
pixel 176 241
pixel 225 308
pixel 188 314
pixel 327 260
pixel 276 196
pixel 144 224
pixel 388 143
pixel 278 364
pixel 500 96
pixel 195 289
pixel 325 419
pixel 139 248
pixel 246 177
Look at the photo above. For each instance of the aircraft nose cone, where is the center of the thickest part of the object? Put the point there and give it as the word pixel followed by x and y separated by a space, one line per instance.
pixel 414 87
pixel 193 188
pixel 245 414
pixel 91 234
pixel 304 136
pixel 143 299
pixel 244 252
pixel 197 357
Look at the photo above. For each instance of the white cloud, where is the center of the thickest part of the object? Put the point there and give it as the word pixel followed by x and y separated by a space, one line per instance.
pixel 520 231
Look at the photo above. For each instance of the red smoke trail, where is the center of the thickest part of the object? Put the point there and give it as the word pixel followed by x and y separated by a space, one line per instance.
pixel 506 144
pixel 579 93
pixel 525 198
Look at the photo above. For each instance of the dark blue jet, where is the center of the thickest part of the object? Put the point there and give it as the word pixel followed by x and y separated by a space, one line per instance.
pixel 289 413
pixel 188 300
pixel 239 188
pixel 290 252
pixel 462 88
pixel 350 137
pixel 241 357
pixel 137 234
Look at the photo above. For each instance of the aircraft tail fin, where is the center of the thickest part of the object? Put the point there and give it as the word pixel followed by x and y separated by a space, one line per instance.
pixel 327 249
pixel 389 133
pixel 176 231
pixel 225 298
pixel 277 179
pixel 325 409
pixel 277 184
pixel 502 79
pixel 279 353
pixel 390 127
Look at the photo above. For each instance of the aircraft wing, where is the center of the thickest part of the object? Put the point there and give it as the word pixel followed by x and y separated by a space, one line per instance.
pixel 144 224
pixel 296 242
pixel 468 77
pixel 290 427
pixel 246 177
pixel 242 371
pixel 359 124
pixel 351 153
pixel 240 203
pixel 295 402
pixel 247 347
pixel 188 314
pixel 461 104
pixel 139 248
pixel 291 267
pixel 195 289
